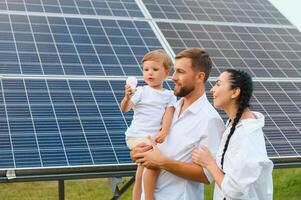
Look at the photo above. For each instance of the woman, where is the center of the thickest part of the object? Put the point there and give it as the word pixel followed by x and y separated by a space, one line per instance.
pixel 242 169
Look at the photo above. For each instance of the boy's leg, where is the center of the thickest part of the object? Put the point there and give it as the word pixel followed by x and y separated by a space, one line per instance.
pixel 138 183
pixel 149 183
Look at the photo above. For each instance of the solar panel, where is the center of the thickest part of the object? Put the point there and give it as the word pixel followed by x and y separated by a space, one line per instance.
pixel 63 66
pixel 262 51
pixel 74 46
pixel 238 11
pixel 127 8
pixel 62 123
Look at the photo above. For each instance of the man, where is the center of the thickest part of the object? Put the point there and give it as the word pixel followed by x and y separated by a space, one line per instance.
pixel 195 123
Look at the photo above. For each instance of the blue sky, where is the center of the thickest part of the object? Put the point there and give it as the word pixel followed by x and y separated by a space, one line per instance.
pixel 291 9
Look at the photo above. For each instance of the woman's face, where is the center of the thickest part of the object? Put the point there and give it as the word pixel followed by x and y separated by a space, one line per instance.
pixel 222 92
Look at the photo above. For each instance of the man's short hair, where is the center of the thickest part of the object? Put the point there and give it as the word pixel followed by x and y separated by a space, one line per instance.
pixel 200 59
pixel 158 55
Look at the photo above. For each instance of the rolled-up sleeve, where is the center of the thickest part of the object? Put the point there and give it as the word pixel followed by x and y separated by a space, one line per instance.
pixel 172 100
pixel 214 130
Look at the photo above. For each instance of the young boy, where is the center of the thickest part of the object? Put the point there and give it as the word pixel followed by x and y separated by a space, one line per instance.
pixel 153 112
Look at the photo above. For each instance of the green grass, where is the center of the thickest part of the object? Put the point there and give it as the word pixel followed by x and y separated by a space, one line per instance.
pixel 287 186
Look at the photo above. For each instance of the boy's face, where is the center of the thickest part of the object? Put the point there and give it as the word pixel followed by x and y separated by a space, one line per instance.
pixel 154 74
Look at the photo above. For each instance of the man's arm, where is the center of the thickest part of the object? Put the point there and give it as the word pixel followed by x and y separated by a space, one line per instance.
pixel 188 171
pixel 154 159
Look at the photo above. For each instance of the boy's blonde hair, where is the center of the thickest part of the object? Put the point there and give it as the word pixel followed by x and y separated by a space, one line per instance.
pixel 159 55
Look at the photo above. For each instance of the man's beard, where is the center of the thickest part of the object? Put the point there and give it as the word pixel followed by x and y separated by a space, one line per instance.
pixel 184 91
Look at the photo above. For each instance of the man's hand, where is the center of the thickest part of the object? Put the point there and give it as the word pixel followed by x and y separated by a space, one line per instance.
pixel 151 159
pixel 140 148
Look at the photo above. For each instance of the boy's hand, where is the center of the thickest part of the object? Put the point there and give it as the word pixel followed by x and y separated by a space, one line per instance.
pixel 160 137
pixel 128 91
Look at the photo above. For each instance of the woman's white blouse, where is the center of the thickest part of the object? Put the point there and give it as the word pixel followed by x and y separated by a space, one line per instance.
pixel 247 168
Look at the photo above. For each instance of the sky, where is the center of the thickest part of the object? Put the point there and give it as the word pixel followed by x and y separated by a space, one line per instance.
pixel 291 9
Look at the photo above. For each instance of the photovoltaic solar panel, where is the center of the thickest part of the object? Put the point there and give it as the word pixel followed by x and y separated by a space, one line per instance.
pixel 262 51
pixel 62 123
pixel 78 122
pixel 73 46
pixel 63 65
pixel 127 8
pixel 238 11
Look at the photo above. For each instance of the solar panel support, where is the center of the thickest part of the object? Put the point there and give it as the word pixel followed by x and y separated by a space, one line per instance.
pixel 117 192
pixel 286 162
pixel 61 188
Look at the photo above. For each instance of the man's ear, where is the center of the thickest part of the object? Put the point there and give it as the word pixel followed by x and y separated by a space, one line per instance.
pixel 236 93
pixel 201 76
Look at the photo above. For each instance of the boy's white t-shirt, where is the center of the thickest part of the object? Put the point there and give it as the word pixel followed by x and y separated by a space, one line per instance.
pixel 149 107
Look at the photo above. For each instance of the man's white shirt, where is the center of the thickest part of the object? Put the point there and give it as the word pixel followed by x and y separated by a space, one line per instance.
pixel 198 124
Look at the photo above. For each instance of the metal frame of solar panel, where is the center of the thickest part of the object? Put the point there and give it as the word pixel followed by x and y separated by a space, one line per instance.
pixel 63 64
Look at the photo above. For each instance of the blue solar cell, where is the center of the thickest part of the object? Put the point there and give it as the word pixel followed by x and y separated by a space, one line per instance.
pixel 7 46
pixel 54 158
pixel 3 6
pixel 34 8
pixel 28 57
pixel 103 156
pixel 43 110
pixel 17 7
pixel 5 140
pixel 52 69
pixel 109 60
pixel 51 9
pixel 6 36
pixel 113 70
pixel 6 159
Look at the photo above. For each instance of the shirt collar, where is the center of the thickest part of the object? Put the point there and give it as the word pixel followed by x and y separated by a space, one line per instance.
pixel 196 106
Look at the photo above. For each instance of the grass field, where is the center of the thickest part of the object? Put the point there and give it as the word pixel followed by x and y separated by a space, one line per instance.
pixel 287 186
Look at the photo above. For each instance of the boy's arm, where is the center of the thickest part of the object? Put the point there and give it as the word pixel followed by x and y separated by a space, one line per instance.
pixel 166 123
pixel 167 119
pixel 126 103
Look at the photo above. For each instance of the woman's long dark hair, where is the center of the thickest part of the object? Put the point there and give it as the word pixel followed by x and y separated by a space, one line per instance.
pixel 242 80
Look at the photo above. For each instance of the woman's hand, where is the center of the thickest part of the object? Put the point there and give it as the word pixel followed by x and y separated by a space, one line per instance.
pixel 202 157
